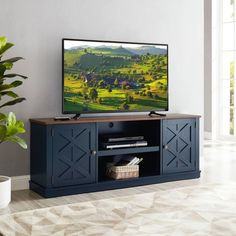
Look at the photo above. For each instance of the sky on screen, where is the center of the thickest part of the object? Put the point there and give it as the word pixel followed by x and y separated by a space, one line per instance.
pixel 72 43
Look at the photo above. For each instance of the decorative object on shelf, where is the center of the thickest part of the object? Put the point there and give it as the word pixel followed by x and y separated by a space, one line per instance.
pixel 125 168
pixel 122 172
pixel 125 144
pixel 122 141
pixel 9 126
pixel 123 138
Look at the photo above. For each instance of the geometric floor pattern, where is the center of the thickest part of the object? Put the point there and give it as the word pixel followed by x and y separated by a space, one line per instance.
pixel 201 210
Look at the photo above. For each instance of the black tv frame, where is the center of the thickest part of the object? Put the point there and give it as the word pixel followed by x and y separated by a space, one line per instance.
pixel 112 112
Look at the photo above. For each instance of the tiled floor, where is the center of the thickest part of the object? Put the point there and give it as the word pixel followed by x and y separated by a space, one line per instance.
pixel 205 206
pixel 218 162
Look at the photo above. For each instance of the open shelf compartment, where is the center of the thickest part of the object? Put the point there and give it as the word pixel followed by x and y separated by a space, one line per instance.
pixel 150 130
pixel 150 165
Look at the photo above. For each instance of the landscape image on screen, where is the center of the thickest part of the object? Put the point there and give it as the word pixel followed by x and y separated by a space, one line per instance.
pixel 104 76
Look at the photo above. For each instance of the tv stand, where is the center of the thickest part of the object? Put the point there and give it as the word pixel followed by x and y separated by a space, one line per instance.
pixel 76 116
pixel 69 157
pixel 156 113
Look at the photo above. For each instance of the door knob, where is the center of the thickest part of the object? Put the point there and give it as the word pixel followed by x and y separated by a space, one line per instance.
pixel 94 152
pixel 165 146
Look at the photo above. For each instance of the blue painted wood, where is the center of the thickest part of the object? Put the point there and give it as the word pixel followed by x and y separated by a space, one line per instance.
pixel 38 154
pixel 128 151
pixel 49 159
pixel 62 162
pixel 161 148
pixel 197 129
pixel 179 145
pixel 109 185
pixel 73 161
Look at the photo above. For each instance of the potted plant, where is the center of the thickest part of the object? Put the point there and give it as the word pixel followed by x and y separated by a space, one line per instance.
pixel 10 127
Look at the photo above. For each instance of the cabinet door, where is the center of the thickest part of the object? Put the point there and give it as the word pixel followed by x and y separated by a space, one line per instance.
pixel 73 161
pixel 179 145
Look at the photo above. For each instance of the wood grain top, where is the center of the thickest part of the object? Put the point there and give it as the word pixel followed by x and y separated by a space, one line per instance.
pixel 51 121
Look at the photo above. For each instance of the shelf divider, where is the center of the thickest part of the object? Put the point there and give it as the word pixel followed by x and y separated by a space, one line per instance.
pixel 121 151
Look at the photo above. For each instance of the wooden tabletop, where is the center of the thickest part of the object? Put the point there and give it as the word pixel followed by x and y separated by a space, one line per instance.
pixel 51 121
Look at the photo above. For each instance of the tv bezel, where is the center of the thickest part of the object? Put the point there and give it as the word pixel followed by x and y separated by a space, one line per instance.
pixel 118 111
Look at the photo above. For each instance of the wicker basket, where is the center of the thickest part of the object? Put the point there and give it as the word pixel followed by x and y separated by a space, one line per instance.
pixel 122 172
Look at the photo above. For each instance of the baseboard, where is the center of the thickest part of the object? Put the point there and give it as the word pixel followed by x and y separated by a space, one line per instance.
pixel 20 182
pixel 207 135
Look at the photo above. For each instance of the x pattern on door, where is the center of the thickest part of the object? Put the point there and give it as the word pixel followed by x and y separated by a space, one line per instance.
pixel 178 153
pixel 73 154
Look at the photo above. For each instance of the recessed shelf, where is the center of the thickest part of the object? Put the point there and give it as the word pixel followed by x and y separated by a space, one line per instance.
pixel 120 151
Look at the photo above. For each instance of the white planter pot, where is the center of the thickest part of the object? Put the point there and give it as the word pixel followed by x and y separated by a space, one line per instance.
pixel 5 191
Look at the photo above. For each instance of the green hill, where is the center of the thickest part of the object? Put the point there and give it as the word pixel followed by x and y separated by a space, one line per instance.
pixel 115 51
pixel 89 61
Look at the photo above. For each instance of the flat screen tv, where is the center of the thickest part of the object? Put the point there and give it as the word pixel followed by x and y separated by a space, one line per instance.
pixel 105 76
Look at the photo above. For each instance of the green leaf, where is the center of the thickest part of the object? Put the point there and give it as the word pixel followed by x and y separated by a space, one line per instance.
pixel 13 102
pixel 20 130
pixel 4 45
pixel 14 75
pixel 11 85
pixel 2 70
pixel 9 93
pixel 16 83
pixel 20 124
pixel 8 65
pixel 11 130
pixel 2 117
pixel 11 60
pixel 18 140
pixel 14 126
pixel 3 41
pixel 11 119
pixel 3 131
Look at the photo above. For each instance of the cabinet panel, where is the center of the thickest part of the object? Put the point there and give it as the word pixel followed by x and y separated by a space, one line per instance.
pixel 179 145
pixel 73 162
pixel 64 159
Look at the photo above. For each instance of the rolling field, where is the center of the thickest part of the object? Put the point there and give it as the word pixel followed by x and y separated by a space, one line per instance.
pixel 108 79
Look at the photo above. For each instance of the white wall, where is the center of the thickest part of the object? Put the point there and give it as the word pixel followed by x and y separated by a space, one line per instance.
pixel 36 27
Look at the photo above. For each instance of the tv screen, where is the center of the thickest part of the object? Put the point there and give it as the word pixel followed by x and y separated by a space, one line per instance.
pixel 104 76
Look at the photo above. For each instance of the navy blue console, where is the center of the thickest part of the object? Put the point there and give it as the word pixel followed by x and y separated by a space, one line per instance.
pixel 67 157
